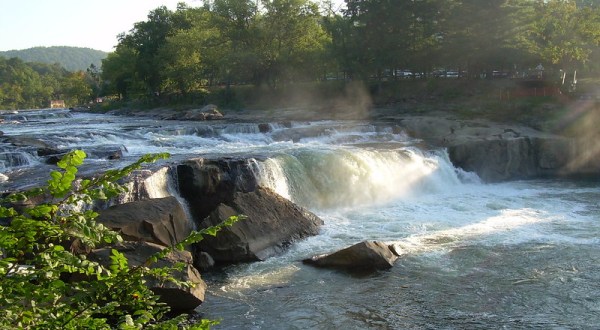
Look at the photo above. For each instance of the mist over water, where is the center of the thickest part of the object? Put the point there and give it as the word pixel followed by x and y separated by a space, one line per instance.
pixel 522 254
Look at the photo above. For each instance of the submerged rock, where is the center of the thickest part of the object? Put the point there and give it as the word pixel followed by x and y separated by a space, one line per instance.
pixel 178 298
pixel 272 224
pixel 109 152
pixel 162 221
pixel 363 256
pixel 27 141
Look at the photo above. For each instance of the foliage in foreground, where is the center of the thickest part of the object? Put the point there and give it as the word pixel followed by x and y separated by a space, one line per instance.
pixel 40 256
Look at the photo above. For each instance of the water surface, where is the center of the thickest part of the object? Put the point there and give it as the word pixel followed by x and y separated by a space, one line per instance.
pixel 521 254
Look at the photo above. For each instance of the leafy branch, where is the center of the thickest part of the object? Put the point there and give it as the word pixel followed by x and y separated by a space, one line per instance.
pixel 46 280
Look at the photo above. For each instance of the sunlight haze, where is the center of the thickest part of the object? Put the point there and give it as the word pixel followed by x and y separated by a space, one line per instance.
pixel 92 24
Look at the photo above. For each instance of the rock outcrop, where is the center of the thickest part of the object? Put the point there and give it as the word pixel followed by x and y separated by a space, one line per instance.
pixel 516 158
pixel 206 183
pixel 162 221
pixel 272 223
pixel 178 298
pixel 496 152
pixel 218 189
pixel 363 256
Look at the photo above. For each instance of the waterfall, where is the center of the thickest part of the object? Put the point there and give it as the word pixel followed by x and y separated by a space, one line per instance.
pixel 10 159
pixel 159 184
pixel 344 177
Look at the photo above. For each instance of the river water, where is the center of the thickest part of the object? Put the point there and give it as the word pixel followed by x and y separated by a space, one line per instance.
pixel 522 254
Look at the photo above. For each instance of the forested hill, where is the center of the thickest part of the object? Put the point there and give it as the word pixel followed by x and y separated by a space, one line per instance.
pixel 71 58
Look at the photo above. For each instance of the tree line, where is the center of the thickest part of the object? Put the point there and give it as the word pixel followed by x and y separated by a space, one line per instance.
pixel 32 85
pixel 278 42
pixel 186 52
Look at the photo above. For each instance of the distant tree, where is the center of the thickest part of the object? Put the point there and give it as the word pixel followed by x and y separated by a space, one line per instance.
pixel 564 35
pixel 21 86
pixel 76 89
pixel 480 36
pixel 94 80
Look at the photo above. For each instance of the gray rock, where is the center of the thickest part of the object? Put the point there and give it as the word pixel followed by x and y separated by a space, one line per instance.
pixel 178 298
pixel 515 158
pixel 363 256
pixel 206 183
pixel 272 224
pixel 27 141
pixel 209 112
pixel 264 128
pixel 497 152
pixel 203 261
pixel 162 221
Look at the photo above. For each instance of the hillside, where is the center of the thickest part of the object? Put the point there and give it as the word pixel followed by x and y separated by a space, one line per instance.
pixel 71 58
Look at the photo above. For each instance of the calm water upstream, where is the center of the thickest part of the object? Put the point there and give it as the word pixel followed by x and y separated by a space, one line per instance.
pixel 522 254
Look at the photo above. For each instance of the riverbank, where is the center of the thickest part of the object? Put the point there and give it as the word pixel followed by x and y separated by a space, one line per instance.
pixel 500 100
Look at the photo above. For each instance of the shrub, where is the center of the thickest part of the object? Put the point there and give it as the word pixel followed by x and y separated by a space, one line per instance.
pixel 41 255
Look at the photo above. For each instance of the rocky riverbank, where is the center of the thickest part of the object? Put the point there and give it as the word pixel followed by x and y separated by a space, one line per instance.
pixel 209 189
pixel 495 151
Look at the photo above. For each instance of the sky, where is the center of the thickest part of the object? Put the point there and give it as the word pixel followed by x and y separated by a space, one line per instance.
pixel 80 23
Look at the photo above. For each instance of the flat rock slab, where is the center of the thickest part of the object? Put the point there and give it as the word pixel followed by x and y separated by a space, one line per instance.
pixel 161 220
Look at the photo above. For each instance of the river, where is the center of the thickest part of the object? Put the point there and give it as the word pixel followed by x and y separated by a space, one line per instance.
pixel 519 254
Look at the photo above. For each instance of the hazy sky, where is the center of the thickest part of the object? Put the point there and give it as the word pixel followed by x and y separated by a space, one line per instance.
pixel 81 23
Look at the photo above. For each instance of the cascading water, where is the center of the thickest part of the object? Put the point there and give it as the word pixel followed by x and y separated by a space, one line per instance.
pixel 519 254
pixel 343 177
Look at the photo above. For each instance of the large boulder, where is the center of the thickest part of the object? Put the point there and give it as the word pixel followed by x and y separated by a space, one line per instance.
pixel 363 256
pixel 271 224
pixel 176 297
pixel 206 183
pixel 162 221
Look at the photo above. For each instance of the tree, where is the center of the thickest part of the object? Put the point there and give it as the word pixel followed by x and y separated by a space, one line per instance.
pixel 21 86
pixel 237 20
pixel 293 41
pixel 189 55
pixel 481 36
pixel 76 89
pixel 144 43
pixel 119 72
pixel 564 35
